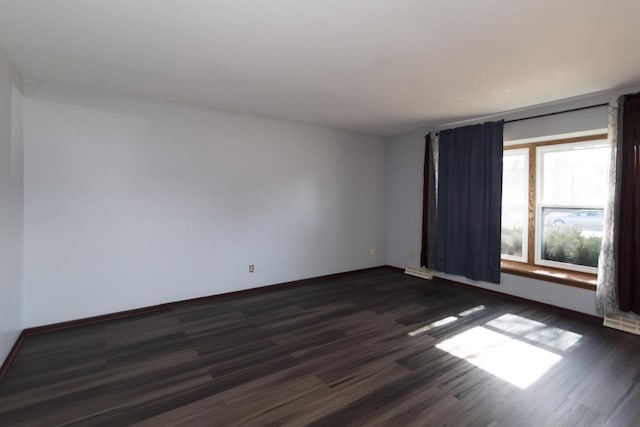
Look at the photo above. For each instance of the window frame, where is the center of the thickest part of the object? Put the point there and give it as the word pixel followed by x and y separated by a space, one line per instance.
pixel 565 273
pixel 525 234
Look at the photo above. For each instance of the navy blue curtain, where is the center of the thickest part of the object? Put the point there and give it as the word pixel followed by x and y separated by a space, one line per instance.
pixel 470 202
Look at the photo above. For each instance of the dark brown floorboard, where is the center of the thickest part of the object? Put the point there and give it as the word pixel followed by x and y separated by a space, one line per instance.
pixel 335 352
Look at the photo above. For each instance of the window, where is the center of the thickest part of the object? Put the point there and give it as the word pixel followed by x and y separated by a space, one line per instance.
pixel 515 210
pixel 554 194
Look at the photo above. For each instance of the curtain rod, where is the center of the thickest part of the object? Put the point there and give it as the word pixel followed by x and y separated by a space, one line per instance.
pixel 551 114
pixel 558 112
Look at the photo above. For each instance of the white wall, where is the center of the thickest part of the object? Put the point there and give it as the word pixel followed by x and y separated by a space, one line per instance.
pixel 130 203
pixel 10 205
pixel 405 162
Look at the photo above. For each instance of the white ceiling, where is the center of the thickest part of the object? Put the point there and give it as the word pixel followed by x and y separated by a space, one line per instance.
pixel 374 66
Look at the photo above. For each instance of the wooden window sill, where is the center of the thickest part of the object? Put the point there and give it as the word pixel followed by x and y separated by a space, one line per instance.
pixel 549 274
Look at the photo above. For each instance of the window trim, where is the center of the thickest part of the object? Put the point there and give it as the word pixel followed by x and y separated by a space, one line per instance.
pixel 525 234
pixel 575 279
pixel 540 152
pixel 549 270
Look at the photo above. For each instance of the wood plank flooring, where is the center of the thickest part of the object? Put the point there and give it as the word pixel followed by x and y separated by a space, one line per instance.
pixel 336 352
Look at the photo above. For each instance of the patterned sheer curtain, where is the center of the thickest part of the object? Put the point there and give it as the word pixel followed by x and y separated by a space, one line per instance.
pixel 607 290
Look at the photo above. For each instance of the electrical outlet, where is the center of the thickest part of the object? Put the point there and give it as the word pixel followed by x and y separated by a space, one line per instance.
pixel 250 268
pixel 412 255
pixel 372 251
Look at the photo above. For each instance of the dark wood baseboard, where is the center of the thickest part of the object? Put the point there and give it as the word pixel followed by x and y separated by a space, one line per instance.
pixel 142 310
pixel 521 300
pixel 12 354
pixel 510 297
pixel 292 355
pixel 168 305
pixel 149 309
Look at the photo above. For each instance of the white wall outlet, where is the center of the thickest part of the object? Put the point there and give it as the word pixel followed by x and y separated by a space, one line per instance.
pixel 372 251
pixel 250 268
pixel 412 255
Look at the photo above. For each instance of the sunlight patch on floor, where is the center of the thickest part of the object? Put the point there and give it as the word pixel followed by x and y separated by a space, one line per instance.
pixel 471 311
pixel 531 330
pixel 514 361
pixel 436 324
pixel 445 321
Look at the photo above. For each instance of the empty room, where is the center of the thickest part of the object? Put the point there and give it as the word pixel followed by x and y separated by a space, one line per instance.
pixel 327 213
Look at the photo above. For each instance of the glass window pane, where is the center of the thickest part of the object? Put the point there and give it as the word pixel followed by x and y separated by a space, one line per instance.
pixel 515 194
pixel 572 236
pixel 573 191
pixel 574 175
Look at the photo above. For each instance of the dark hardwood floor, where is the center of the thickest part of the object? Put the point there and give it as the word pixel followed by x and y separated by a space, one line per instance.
pixel 343 351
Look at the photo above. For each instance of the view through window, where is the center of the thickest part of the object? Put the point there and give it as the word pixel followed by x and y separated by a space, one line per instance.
pixel 553 202
pixel 515 195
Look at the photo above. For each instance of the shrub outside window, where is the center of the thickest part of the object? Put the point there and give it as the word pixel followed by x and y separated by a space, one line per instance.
pixel 515 211
pixel 563 201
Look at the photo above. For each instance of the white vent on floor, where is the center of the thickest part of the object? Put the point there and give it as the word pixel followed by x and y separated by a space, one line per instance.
pixel 419 272
pixel 623 323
